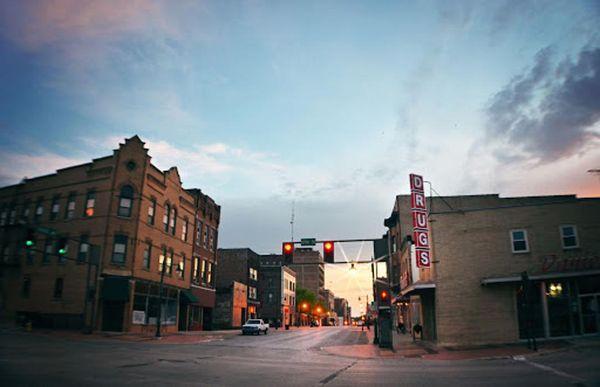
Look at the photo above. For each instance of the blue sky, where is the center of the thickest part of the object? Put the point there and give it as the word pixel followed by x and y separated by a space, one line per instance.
pixel 328 104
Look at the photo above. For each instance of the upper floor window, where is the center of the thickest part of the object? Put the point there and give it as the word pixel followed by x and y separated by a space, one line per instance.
pixel 519 241
pixel 125 201
pixel 151 211
pixel 119 249
pixel 147 256
pixel 25 210
pixel 181 267
pixel 206 232
pixel 173 220
pixel 12 215
pixel 26 289
pixel 169 266
pixel 161 259
pixel 251 292
pixel 58 288
pixel 3 216
pixel 84 247
pixel 199 234
pixel 55 208
pixel 39 210
pixel 166 217
pixel 90 203
pixel 184 230
pixel 48 250
pixel 254 274
pixel 214 241
pixel 196 270
pixel 70 209
pixel 568 235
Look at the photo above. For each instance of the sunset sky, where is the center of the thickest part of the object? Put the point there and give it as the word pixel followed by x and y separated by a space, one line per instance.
pixel 326 104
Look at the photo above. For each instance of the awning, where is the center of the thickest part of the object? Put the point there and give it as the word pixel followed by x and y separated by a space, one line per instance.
pixel 205 297
pixel 187 297
pixel 115 289
pixel 534 277
pixel 417 287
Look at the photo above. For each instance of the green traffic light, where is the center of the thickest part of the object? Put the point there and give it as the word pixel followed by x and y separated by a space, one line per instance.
pixel 62 251
pixel 29 243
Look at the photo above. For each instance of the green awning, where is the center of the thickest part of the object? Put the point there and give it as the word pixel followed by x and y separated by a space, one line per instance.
pixel 115 289
pixel 187 297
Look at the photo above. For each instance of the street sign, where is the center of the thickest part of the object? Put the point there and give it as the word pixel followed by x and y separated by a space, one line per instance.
pixel 308 241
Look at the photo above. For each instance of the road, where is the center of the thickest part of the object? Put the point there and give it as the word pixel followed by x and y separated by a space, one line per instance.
pixel 287 358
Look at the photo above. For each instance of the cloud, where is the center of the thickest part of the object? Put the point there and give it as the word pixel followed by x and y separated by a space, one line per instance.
pixel 549 112
pixel 15 166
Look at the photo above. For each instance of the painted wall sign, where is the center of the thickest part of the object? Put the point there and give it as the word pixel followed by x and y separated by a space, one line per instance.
pixel 418 205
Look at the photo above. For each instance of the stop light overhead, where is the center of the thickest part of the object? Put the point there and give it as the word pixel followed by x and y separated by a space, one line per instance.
pixel 328 251
pixel 30 238
pixel 287 249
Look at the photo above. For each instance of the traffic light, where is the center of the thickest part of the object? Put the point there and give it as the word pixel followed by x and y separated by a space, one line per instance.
pixel 384 297
pixel 62 247
pixel 328 249
pixel 288 249
pixel 30 238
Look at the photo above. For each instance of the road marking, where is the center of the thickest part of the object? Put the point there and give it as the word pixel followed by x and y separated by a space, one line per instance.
pixel 548 369
pixel 336 373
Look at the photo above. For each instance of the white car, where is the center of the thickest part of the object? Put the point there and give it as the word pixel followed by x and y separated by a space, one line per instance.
pixel 255 326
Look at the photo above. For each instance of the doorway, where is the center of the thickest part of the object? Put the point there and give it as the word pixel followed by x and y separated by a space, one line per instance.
pixel 112 316
pixel 590 315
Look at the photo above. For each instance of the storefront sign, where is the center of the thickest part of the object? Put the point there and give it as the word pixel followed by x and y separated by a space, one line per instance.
pixel 420 221
pixel 552 263
pixel 138 317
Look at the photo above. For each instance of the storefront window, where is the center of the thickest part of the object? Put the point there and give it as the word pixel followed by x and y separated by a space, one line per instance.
pixel 557 297
pixel 146 304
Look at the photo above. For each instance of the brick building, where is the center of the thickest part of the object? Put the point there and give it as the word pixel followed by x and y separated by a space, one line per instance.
pixel 136 216
pixel 342 310
pixel 480 245
pixel 231 306
pixel 309 267
pixel 277 290
pixel 237 265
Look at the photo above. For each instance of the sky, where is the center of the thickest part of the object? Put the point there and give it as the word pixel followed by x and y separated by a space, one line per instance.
pixel 322 106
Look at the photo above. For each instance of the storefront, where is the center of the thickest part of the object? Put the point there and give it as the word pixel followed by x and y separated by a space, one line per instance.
pixel 196 308
pixel 561 304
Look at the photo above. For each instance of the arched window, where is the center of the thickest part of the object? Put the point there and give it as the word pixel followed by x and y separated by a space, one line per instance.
pixel 166 217
pixel 125 201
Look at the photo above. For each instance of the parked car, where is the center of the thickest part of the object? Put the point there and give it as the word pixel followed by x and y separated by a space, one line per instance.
pixel 255 327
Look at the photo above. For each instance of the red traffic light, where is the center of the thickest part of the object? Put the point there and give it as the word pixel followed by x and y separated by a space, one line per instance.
pixel 287 248
pixel 328 250
pixel 384 295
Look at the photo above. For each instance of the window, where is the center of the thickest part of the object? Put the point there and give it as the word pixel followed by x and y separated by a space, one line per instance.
pixel 196 270
pixel 70 209
pixel 203 271
pixel 5 253
pixel 39 210
pixel 119 249
pixel 199 233
pixel 254 274
pixel 169 269
pixel 48 251
pixel 26 289
pixel 209 278
pixel 251 292
pixel 25 210
pixel 568 235
pixel 62 243
pixel 55 208
pixel 206 231
pixel 166 217
pixel 13 214
pixel 181 267
pixel 3 216
pixel 147 256
pixel 146 300
pixel 58 288
pixel 519 241
pixel 84 247
pixel 161 259
pixel 151 211
pixel 184 230
pixel 173 220
pixel 90 203
pixel 125 201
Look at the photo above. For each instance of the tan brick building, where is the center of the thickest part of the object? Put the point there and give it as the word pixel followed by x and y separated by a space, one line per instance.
pixel 137 215
pixel 309 267
pixel 480 246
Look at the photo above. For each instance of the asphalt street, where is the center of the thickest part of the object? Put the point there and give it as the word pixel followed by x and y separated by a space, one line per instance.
pixel 290 358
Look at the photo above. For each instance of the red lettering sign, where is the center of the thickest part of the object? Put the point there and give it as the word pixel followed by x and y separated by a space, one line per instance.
pixel 416 182
pixel 423 258
pixel 419 219
pixel 421 239
pixel 417 201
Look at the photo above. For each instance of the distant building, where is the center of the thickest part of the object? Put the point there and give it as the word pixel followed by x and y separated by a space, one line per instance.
pixel 480 244
pixel 240 265
pixel 277 290
pixel 329 301
pixel 310 270
pixel 120 210
pixel 342 309
pixel 231 306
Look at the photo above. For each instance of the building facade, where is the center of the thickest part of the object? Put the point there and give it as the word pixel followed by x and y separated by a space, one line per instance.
pixel 240 265
pixel 480 246
pixel 309 267
pixel 138 219
pixel 277 291
pixel 342 310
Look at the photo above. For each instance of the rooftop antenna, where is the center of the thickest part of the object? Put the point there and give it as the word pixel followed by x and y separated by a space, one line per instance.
pixel 292 221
